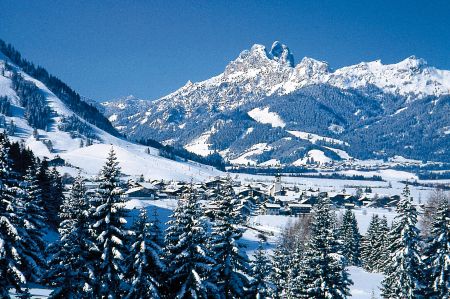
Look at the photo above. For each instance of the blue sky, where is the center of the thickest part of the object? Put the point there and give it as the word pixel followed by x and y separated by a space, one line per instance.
pixel 108 49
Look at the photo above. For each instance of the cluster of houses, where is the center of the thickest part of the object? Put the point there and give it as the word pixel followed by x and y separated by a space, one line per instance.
pixel 253 198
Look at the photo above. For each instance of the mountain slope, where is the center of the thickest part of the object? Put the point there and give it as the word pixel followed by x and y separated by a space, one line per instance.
pixel 33 113
pixel 249 111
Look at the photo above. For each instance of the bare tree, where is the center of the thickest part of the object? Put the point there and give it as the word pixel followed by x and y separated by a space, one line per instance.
pixel 296 234
pixel 430 209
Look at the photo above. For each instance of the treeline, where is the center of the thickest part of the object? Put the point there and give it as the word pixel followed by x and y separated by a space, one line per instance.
pixel 172 152
pixel 37 112
pixel 5 106
pixel 432 185
pixel 272 170
pixel 60 89
pixel 301 171
pixel 434 175
pixel 339 176
pixel 434 171
pixel 77 128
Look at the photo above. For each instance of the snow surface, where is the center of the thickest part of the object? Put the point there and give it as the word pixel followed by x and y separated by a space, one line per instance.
pixel 342 154
pixel 313 138
pixel 318 156
pixel 364 283
pixel 35 291
pixel 200 145
pixel 271 162
pixel 134 161
pixel 255 149
pixel 264 116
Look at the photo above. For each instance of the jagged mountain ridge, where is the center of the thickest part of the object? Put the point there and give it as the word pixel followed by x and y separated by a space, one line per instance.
pixel 354 103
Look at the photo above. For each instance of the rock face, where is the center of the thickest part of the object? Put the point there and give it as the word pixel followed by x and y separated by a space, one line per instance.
pixel 373 110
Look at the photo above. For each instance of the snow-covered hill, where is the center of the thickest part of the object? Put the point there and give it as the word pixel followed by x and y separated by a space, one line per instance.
pixel 375 110
pixel 72 144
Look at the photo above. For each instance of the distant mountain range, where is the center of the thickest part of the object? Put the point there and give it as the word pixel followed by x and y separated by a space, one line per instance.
pixel 265 110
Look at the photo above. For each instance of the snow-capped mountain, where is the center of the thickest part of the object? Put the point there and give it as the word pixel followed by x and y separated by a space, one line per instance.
pixel 63 125
pixel 264 109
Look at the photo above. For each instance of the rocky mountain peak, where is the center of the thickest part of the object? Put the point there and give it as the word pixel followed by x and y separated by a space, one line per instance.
pixel 281 53
pixel 309 67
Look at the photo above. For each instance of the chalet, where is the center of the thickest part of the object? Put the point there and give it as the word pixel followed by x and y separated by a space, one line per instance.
pixel 140 192
pixel 161 195
pixel 149 186
pixel 297 209
pixel 340 200
pixel 382 201
pixel 215 183
pixel 245 210
pixel 57 161
pixel 172 193
pixel 271 209
pixel 256 194
pixel 158 184
pixel 309 200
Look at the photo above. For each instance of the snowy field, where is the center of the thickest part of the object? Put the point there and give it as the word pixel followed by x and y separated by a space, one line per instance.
pixel 364 283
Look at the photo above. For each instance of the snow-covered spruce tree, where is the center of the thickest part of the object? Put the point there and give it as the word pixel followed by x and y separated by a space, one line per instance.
pixel 324 269
pixel 70 266
pixel 144 264
pixel 74 207
pixel 381 251
pixel 280 271
pixel 260 285
pixel 156 231
pixel 10 241
pixel 369 243
pixel 351 239
pixel 32 226
pixel 188 259
pixel 45 183
pixel 404 269
pixel 109 232
pixel 437 253
pixel 56 194
pixel 295 286
pixel 232 266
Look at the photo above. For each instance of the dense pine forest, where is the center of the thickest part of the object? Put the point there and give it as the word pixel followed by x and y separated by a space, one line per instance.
pixel 101 252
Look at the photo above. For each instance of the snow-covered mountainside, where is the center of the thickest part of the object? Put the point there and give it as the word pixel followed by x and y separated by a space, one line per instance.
pixel 249 112
pixel 32 113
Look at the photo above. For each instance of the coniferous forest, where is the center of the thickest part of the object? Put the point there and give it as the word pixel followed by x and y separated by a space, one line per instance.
pixel 102 252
